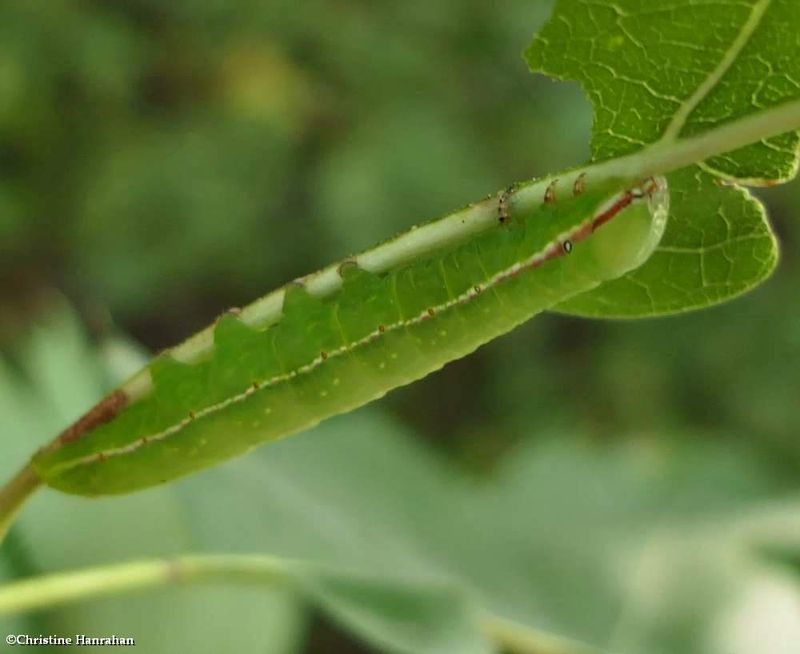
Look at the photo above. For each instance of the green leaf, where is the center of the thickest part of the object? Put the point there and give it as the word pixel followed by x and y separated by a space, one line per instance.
pixel 664 72
pixel 636 550
pixel 655 80
pixel 699 262
pixel 401 617
pixel 407 611
pixel 551 543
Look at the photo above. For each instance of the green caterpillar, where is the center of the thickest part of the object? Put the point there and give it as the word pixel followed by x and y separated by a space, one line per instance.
pixel 345 336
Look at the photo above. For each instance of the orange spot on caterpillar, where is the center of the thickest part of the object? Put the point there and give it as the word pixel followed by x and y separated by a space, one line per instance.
pixel 381 329
pixel 324 355
pixel 550 192
pixel 102 412
pixel 254 385
pixel 580 184
pixel 431 312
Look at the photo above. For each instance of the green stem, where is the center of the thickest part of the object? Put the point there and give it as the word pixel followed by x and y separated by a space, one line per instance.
pixel 14 494
pixel 52 590
pixel 46 591
pixel 666 156
pixel 518 638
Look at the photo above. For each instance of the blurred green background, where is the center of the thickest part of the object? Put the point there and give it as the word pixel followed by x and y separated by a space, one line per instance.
pixel 161 162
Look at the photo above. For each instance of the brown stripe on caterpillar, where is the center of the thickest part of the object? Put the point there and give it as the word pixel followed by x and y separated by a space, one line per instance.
pixel 560 248
pixel 637 193
pixel 624 200
pixel 102 412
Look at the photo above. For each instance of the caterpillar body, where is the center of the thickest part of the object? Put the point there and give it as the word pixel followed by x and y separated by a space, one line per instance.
pixel 241 383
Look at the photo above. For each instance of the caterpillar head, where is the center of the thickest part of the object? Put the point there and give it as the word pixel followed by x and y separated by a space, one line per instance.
pixel 627 228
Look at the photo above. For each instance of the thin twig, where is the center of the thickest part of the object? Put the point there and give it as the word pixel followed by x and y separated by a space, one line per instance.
pixel 14 494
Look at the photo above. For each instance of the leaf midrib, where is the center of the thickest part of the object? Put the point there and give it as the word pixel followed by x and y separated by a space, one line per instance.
pixel 673 130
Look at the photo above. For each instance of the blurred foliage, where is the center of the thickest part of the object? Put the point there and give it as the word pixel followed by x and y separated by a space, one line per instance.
pixel 162 161
pixel 165 161
pixel 637 548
